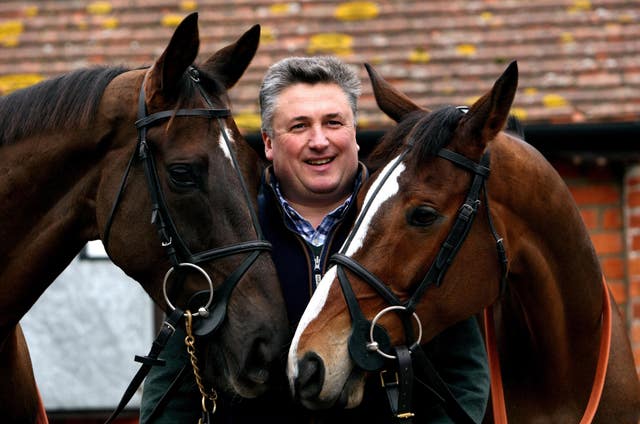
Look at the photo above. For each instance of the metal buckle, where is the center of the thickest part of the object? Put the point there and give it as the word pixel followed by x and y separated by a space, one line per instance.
pixel 405 415
pixel 384 382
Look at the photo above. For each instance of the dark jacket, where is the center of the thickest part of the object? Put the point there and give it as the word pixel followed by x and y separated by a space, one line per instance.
pixel 298 263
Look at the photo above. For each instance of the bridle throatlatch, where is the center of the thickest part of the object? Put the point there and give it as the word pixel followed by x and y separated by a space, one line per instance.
pixel 211 304
pixel 369 343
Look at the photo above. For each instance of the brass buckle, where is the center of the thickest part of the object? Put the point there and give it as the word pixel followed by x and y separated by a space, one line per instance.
pixel 405 415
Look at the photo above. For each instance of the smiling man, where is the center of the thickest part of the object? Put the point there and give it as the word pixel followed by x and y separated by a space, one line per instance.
pixel 312 144
pixel 309 108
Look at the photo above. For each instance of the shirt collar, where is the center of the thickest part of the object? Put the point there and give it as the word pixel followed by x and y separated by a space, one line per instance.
pixel 297 223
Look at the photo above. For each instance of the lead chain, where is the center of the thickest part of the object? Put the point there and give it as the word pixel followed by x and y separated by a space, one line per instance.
pixel 210 396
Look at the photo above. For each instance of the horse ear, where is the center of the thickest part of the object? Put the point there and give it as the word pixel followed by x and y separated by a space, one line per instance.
pixel 392 102
pixel 488 115
pixel 174 61
pixel 229 63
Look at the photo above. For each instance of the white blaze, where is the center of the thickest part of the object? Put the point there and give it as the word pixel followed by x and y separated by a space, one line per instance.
pixel 389 188
pixel 223 144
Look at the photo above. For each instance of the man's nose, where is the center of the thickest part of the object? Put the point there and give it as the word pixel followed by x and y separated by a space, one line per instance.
pixel 317 137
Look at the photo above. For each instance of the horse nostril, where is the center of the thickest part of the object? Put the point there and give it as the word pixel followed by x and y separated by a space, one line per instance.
pixel 258 362
pixel 310 376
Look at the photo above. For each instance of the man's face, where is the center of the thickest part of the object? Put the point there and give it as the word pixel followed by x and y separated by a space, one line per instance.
pixel 314 150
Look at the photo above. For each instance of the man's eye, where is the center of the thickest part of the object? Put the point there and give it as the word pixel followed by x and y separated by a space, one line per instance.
pixel 335 124
pixel 298 127
pixel 184 176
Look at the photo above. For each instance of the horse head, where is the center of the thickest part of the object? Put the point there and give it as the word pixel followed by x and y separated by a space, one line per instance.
pixel 176 208
pixel 412 247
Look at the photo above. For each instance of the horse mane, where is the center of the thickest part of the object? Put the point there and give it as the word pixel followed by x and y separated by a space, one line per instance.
pixel 514 127
pixel 427 132
pixel 66 101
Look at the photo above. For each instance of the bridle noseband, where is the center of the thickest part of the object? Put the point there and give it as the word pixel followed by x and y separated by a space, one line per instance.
pixel 179 254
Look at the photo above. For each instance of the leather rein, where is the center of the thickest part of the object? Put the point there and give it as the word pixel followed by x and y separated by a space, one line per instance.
pixel 211 304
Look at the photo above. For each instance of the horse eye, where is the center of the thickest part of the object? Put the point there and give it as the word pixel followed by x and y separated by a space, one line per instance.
pixel 422 216
pixel 184 176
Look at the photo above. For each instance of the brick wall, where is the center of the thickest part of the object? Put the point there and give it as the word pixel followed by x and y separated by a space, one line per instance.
pixel 609 200
pixel 632 222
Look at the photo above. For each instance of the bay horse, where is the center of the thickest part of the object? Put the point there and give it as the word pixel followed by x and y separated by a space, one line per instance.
pixel 416 253
pixel 94 154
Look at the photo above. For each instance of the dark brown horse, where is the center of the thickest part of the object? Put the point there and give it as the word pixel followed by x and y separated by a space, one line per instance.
pixel 417 237
pixel 151 162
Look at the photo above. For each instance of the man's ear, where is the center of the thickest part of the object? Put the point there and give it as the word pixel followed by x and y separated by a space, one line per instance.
pixel 268 147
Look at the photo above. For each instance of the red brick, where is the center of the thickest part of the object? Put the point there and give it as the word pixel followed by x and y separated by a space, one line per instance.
pixel 619 291
pixel 591 218
pixel 636 356
pixel 634 220
pixel 633 199
pixel 635 332
pixel 635 242
pixel 607 242
pixel 634 289
pixel 596 194
pixel 612 219
pixel 613 268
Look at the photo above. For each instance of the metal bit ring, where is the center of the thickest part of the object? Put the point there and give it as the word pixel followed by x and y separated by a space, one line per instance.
pixel 203 311
pixel 373 345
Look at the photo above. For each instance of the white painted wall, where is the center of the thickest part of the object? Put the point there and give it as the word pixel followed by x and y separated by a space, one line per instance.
pixel 83 334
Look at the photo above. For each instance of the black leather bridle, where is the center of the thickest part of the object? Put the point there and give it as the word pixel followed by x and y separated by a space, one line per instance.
pixel 368 341
pixel 177 250
pixel 211 304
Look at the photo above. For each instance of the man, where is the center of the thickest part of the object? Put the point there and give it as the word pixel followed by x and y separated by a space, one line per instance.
pixel 306 208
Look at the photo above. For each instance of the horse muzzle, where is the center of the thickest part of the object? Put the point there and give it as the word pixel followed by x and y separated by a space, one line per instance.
pixel 315 389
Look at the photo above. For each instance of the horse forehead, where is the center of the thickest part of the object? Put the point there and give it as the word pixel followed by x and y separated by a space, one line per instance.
pixel 202 141
pixel 381 190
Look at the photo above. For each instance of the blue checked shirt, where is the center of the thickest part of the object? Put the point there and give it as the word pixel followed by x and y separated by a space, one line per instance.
pixel 315 236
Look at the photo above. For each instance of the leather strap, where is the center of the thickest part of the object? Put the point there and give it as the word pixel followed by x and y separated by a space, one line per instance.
pixel 400 389
pixel 497 392
pixel 166 331
pixel 603 358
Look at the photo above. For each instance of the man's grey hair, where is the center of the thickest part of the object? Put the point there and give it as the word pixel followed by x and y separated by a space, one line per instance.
pixel 309 70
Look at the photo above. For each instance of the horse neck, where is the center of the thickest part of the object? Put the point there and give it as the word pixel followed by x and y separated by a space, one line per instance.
pixel 553 301
pixel 47 216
